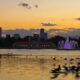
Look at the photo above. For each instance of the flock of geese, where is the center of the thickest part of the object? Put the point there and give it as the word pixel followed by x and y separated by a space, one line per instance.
pixel 75 69
pixel 62 69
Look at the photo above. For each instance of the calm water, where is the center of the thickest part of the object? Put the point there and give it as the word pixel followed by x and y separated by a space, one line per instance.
pixel 35 64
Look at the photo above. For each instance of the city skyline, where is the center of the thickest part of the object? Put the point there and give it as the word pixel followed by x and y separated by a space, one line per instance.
pixel 72 32
pixel 39 40
pixel 36 14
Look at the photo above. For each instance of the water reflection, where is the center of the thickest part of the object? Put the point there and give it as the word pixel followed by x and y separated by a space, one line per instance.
pixel 22 67
pixel 72 68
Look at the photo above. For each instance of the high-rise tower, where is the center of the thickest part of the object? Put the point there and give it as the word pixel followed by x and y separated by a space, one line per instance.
pixel 43 34
pixel 0 32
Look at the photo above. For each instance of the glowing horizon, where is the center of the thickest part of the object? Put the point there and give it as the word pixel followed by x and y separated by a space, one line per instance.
pixel 62 13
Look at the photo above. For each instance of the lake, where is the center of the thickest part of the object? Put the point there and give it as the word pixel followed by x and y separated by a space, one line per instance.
pixel 25 64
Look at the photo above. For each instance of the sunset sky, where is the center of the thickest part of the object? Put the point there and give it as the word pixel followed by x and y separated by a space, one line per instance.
pixel 49 14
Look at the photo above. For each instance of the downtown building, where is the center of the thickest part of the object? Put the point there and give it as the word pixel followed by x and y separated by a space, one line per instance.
pixel 43 34
pixel 0 32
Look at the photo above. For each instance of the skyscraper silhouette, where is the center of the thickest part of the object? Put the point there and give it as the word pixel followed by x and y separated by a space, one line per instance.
pixel 0 32
pixel 43 34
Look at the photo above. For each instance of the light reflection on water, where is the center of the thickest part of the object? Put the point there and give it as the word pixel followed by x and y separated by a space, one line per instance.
pixel 33 67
